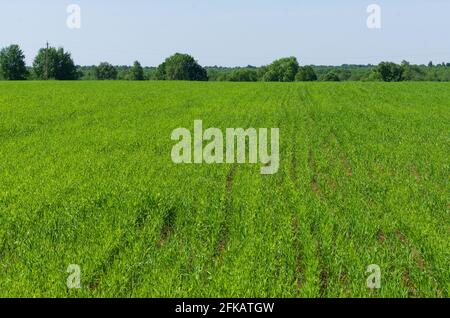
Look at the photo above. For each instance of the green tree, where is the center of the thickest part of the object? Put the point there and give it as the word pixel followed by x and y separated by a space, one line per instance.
pixel 105 71
pixel 56 64
pixel 344 74
pixel 411 72
pixel 243 75
pixel 12 63
pixel 389 72
pixel 282 70
pixel 182 67
pixel 136 72
pixel 306 74
pixel 331 76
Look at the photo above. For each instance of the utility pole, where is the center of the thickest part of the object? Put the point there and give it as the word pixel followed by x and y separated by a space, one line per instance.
pixel 46 63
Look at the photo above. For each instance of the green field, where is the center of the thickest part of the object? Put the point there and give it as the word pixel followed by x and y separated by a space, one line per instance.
pixel 86 178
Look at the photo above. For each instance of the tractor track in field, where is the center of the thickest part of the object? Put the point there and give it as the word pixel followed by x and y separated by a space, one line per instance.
pixel 343 278
pixel 166 231
pixel 324 273
pixel 228 205
pixel 323 276
pixel 406 280
pixel 106 264
pixel 224 230
pixel 414 252
pixel 168 226
pixel 409 284
pixel 315 188
pixel 314 184
pixel 415 172
pixel 293 168
pixel 420 263
pixel 334 144
pixel 298 272
pixel 343 154
pixel 125 240
pixel 416 256
pixel 6 246
pixel 6 250
pixel 292 175
pixel 293 159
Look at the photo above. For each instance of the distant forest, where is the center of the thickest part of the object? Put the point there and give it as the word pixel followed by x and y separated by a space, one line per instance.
pixel 57 64
pixel 346 72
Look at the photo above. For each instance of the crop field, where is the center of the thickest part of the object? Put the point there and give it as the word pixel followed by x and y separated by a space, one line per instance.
pixel 86 178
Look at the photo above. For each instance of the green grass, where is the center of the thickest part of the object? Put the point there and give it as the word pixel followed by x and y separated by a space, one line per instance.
pixel 86 178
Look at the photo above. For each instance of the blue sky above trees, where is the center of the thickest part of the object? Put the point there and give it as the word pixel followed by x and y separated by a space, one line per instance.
pixel 232 32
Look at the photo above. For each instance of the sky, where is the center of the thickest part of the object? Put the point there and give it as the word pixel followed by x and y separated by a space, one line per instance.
pixel 232 32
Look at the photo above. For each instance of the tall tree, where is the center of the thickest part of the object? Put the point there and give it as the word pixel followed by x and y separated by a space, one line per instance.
pixel 52 63
pixel 12 63
pixel 136 72
pixel 181 67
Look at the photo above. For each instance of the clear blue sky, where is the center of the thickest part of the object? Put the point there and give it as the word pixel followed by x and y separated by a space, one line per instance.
pixel 232 32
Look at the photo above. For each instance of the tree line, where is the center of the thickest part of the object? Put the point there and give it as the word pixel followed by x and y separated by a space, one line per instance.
pixel 57 64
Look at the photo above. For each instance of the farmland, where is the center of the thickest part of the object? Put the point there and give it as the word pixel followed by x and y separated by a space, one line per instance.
pixel 86 178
